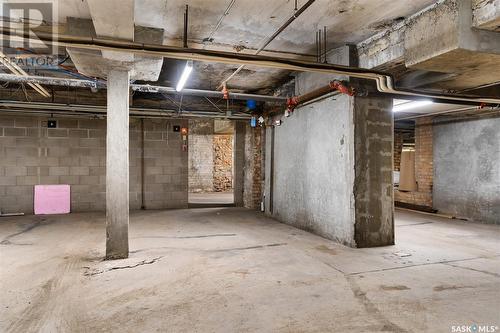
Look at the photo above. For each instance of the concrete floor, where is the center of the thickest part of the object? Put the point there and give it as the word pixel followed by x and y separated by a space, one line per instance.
pixel 211 198
pixel 234 270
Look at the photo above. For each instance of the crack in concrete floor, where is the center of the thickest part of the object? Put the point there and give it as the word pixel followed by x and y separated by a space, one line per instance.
pixel 142 262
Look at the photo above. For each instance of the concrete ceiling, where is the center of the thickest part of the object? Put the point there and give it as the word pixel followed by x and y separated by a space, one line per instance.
pixel 250 22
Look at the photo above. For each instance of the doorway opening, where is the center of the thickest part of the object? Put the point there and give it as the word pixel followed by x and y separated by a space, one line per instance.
pixel 211 163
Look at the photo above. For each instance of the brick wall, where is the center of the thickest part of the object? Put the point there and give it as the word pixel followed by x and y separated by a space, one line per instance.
pixel 398 148
pixel 423 166
pixel 223 162
pixel 74 153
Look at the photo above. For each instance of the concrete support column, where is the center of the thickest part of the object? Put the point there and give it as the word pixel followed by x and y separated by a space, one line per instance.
pixel 117 165
pixel 373 168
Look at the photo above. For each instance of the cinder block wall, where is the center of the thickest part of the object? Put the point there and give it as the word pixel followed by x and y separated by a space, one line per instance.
pixel 74 153
pixel 165 164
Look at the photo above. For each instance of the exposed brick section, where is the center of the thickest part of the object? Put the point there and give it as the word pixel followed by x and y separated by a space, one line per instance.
pixel 223 162
pixel 398 148
pixel 252 194
pixel 424 160
pixel 424 167
pixel 74 153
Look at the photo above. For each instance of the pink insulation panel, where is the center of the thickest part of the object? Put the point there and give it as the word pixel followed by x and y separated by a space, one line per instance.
pixel 52 199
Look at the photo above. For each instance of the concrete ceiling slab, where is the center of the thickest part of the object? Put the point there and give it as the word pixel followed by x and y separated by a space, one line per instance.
pixel 113 18
pixel 248 24
pixel 95 64
pixel 486 14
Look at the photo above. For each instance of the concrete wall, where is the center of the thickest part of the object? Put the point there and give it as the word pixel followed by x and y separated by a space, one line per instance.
pixel 329 165
pixel 201 155
pixel 467 169
pixel 313 169
pixel 75 154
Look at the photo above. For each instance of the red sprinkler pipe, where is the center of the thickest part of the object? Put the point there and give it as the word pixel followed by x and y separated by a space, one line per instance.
pixel 335 85
pixel 225 92
pixel 342 88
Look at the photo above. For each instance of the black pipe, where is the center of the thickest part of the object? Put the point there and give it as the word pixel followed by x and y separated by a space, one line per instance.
pixel 324 36
pixel 320 46
pixel 271 174
pixel 287 23
pixel 186 26
pixel 317 53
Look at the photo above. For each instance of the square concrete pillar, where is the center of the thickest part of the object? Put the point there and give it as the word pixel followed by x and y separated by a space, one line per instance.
pixel 117 165
pixel 373 168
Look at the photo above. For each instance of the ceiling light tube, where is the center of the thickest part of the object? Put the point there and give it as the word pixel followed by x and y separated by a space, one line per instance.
pixel 410 105
pixel 185 75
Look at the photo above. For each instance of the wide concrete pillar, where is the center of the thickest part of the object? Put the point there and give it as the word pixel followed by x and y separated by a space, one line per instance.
pixel 373 168
pixel 117 165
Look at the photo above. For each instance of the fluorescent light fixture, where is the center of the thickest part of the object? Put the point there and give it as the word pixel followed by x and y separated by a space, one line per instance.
pixel 185 75
pixel 403 105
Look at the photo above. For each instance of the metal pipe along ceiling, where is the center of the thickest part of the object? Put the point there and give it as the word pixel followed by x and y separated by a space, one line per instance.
pixel 53 81
pixel 384 81
pixel 78 109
